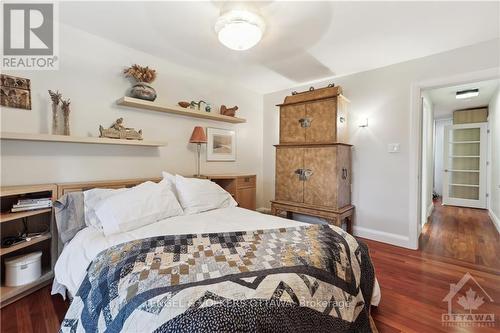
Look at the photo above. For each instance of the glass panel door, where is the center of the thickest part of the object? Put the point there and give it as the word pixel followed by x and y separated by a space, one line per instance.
pixel 465 165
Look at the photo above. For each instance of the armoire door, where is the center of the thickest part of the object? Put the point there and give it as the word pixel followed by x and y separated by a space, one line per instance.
pixel 289 187
pixel 323 120
pixel 320 187
pixel 343 176
pixel 292 119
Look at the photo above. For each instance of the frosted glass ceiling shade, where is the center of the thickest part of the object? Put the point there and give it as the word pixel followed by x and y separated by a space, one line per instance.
pixel 239 30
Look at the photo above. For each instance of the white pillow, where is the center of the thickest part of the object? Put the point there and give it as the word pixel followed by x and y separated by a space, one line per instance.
pixel 168 179
pixel 199 195
pixel 139 206
pixel 92 198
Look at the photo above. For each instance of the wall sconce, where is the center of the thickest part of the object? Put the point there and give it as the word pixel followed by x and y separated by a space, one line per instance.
pixel 363 123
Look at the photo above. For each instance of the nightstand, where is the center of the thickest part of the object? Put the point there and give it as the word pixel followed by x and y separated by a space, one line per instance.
pixel 243 188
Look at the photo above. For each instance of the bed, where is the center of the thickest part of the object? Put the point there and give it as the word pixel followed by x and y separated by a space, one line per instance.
pixel 227 269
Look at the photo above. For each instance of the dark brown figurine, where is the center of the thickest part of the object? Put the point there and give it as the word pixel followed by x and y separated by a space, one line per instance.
pixel 228 111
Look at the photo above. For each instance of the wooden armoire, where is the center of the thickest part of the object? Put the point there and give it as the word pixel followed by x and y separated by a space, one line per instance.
pixel 313 158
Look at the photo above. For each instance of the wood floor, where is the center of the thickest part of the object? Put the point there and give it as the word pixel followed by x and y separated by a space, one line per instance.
pixel 413 283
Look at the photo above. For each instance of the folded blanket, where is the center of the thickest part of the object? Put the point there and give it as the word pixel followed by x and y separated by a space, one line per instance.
pixel 311 278
pixel 70 217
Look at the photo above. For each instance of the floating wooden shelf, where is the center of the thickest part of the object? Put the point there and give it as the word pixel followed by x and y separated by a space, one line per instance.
pixel 11 294
pixel 34 240
pixel 464 156
pixel 465 185
pixel 77 139
pixel 7 216
pixel 460 142
pixel 147 105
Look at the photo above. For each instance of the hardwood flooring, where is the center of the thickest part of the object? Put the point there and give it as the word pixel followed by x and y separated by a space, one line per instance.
pixel 413 283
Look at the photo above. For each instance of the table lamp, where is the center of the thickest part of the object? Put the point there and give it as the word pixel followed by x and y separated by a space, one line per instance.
pixel 198 136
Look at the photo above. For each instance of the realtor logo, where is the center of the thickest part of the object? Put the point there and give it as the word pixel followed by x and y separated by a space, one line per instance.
pixel 469 296
pixel 29 36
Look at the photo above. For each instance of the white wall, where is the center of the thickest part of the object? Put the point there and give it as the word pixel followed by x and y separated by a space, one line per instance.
pixel 90 75
pixel 427 157
pixel 439 125
pixel 381 180
pixel 494 181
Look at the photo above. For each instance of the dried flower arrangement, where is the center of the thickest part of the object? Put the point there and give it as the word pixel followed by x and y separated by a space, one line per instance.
pixel 140 73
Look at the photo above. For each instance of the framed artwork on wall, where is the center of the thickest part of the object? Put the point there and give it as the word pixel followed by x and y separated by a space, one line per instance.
pixel 15 92
pixel 221 145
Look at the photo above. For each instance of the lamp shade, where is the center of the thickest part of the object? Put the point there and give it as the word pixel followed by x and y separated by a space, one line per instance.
pixel 198 135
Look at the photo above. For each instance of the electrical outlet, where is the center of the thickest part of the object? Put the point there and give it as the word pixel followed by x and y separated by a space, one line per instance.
pixel 393 148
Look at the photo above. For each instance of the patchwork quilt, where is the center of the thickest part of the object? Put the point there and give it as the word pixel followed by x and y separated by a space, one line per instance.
pixel 313 278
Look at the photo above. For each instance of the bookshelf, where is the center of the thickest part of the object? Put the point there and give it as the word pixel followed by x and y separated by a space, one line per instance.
pixel 40 220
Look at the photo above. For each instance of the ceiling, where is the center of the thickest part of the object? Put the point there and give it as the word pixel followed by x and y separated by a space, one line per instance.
pixel 303 41
pixel 445 102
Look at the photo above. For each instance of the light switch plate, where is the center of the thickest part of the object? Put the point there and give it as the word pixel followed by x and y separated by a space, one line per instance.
pixel 393 148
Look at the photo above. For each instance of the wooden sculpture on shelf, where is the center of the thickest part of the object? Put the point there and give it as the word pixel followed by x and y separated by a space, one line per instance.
pixel 228 111
pixel 118 131
pixel 56 98
pixel 196 105
pixel 65 109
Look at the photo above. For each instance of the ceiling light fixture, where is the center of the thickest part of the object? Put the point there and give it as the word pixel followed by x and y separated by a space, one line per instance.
pixel 467 93
pixel 239 29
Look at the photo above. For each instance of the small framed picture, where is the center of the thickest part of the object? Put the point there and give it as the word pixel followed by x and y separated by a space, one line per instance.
pixel 221 145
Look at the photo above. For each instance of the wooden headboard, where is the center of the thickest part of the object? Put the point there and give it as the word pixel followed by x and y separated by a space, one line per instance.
pixel 83 186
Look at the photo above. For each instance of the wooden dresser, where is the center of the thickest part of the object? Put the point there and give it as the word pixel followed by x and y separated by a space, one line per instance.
pixel 241 187
pixel 313 159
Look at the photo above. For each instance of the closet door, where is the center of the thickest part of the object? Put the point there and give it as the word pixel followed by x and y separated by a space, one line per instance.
pixel 322 118
pixel 289 186
pixel 291 123
pixel 320 186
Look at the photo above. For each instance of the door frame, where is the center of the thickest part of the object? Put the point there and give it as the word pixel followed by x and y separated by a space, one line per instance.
pixel 483 156
pixel 415 163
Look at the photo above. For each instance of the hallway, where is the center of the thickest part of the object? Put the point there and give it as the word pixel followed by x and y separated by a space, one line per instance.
pixel 465 234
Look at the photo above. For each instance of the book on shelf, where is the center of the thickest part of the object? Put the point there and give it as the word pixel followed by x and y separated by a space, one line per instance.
pixel 41 203
pixel 32 201
pixel 30 207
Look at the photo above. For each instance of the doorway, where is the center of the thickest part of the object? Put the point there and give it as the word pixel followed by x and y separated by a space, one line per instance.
pixel 454 147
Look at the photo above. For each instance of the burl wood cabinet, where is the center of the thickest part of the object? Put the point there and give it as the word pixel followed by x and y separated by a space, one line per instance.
pixel 313 159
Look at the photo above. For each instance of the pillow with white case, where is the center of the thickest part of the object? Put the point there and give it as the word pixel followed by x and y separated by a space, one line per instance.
pixel 138 206
pixel 168 179
pixel 199 195
pixel 91 199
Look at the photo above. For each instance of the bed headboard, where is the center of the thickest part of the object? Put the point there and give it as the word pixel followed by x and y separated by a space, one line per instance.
pixel 83 186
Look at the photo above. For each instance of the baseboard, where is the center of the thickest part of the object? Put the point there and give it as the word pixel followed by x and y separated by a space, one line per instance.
pixel 429 210
pixel 382 236
pixel 495 219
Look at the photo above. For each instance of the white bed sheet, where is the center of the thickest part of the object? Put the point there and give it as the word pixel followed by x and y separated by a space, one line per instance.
pixel 70 268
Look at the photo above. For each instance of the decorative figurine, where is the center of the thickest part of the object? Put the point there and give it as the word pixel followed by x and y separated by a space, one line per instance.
pixel 65 109
pixel 228 111
pixel 118 131
pixel 143 77
pixel 184 104
pixel 56 97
